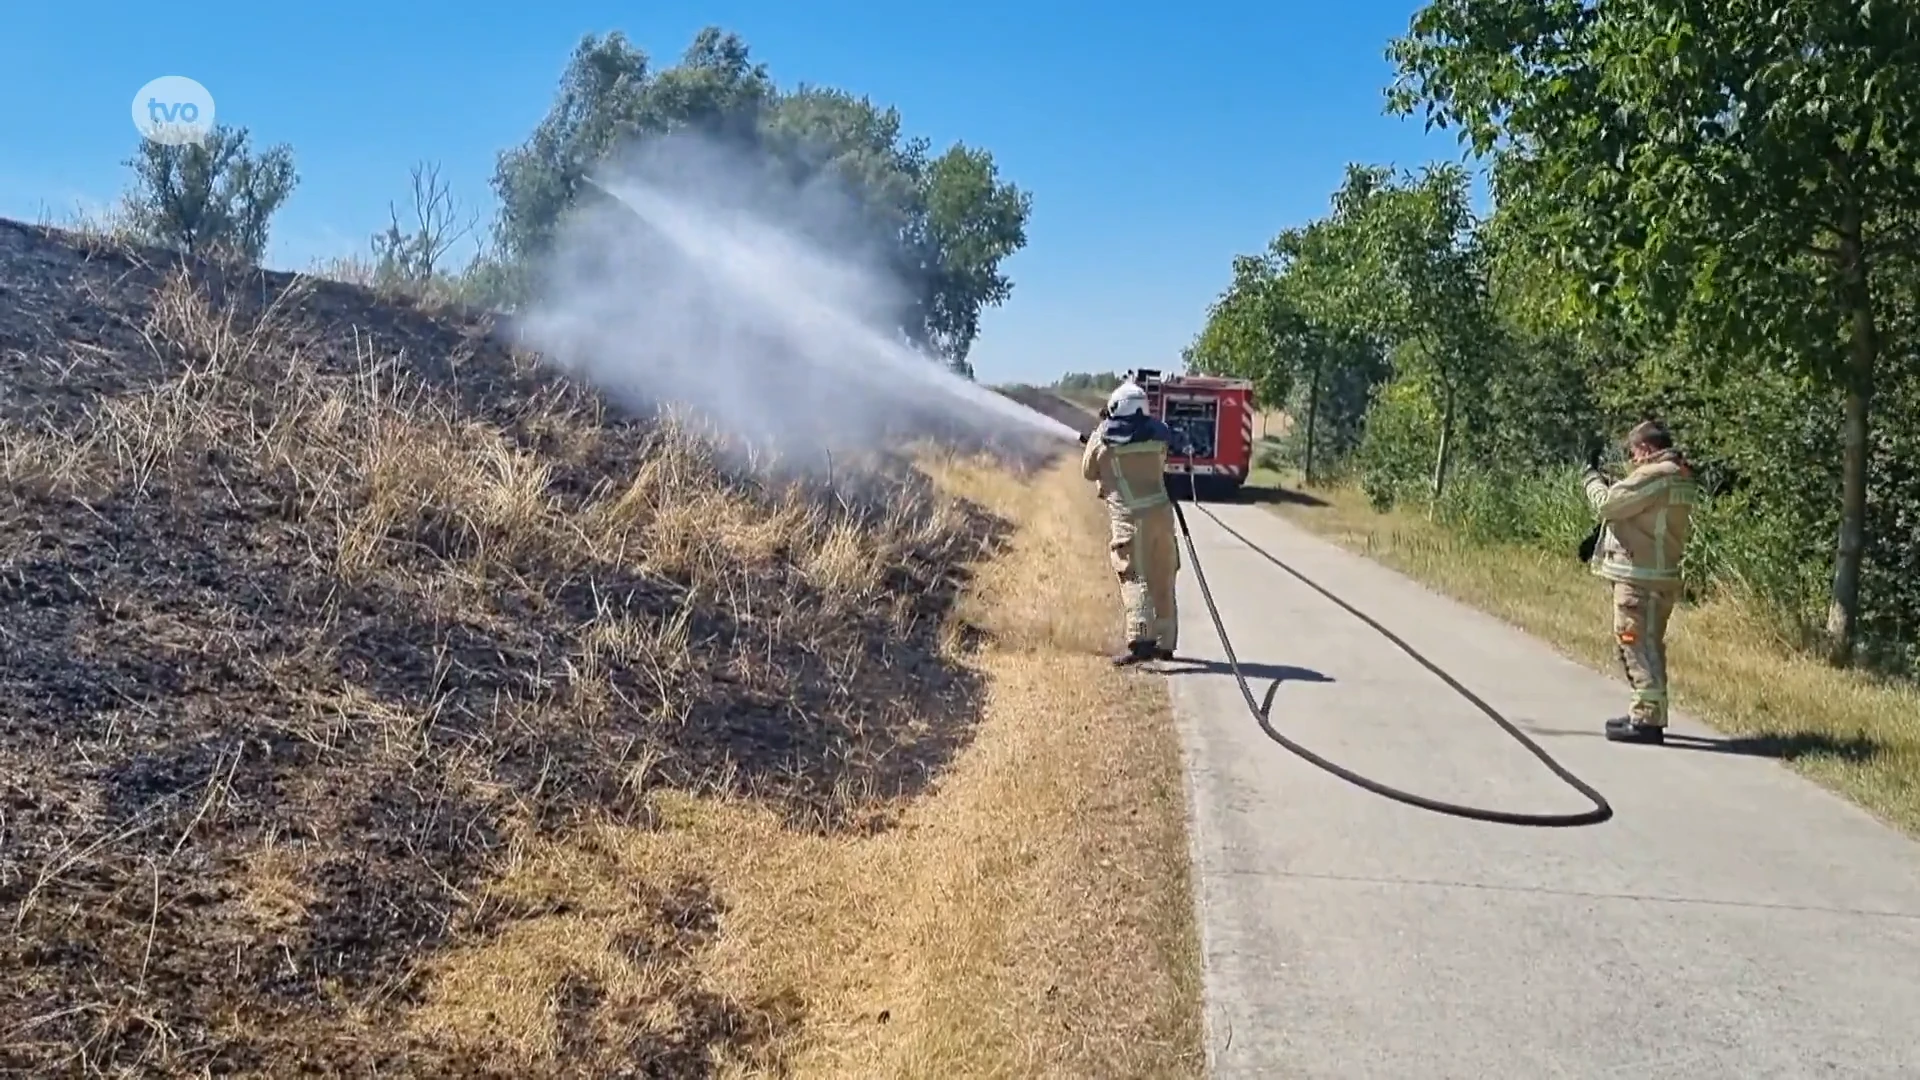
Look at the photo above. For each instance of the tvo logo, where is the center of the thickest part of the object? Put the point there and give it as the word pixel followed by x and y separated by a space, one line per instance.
pixel 173 110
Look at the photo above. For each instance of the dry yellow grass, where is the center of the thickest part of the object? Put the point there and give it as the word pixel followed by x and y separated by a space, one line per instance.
pixel 549 745
pixel 1852 732
pixel 1082 958
pixel 1030 918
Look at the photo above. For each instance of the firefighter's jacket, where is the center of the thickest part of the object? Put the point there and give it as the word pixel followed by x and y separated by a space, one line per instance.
pixel 1128 458
pixel 1646 519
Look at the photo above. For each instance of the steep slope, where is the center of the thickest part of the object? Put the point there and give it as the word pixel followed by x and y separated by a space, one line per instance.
pixel 315 610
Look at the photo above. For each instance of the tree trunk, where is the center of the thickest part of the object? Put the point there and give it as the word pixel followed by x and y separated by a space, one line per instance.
pixel 1313 414
pixel 1445 454
pixel 1843 611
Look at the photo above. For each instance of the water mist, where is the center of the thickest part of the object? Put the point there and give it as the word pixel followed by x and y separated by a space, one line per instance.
pixel 691 275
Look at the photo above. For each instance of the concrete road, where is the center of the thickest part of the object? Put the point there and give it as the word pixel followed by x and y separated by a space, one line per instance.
pixel 1731 921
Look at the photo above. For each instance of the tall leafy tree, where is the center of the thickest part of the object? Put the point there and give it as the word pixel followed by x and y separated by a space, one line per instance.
pixel 1744 174
pixel 609 97
pixel 1248 333
pixel 973 222
pixel 1333 343
pixel 1426 278
pixel 602 99
pixel 716 89
pixel 1299 320
pixel 825 135
pixel 943 223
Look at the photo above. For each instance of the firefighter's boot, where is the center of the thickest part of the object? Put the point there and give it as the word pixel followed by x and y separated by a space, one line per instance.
pixel 1138 652
pixel 1628 730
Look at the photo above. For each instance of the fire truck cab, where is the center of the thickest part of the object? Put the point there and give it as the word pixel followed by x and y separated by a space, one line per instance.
pixel 1216 416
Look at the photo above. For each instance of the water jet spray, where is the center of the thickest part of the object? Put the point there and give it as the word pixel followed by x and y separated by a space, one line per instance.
pixel 693 280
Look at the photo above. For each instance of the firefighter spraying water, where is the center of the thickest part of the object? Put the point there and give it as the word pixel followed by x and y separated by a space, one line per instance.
pixel 1156 431
pixel 1127 457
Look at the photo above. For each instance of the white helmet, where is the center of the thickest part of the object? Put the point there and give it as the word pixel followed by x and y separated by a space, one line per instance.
pixel 1127 400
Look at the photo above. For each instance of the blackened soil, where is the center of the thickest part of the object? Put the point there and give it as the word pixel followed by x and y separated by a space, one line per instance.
pixel 191 696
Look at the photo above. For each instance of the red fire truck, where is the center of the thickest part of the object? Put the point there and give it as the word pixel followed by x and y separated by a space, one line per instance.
pixel 1215 414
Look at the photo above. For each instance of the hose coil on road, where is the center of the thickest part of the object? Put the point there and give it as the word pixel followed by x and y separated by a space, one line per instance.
pixel 1601 811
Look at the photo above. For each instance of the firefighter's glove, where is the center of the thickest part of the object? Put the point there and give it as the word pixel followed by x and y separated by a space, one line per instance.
pixel 1588 545
pixel 1593 460
pixel 1083 437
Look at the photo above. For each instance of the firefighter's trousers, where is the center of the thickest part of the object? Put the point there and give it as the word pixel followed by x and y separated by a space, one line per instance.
pixel 1146 555
pixel 1640 616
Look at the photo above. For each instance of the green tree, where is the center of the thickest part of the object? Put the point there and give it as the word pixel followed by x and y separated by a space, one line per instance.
pixel 1335 336
pixel 213 198
pixel 821 134
pixel 973 222
pixel 1248 333
pixel 716 89
pixel 1392 273
pixel 1299 320
pixel 608 97
pixel 1743 175
pixel 943 224
pixel 1425 276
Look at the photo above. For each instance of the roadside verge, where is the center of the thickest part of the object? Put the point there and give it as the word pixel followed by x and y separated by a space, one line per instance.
pixel 1029 916
pixel 1854 733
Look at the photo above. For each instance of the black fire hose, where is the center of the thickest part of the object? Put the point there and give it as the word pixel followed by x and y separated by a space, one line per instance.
pixel 1601 809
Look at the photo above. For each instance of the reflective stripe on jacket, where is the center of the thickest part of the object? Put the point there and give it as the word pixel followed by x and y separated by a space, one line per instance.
pixel 1128 458
pixel 1647 519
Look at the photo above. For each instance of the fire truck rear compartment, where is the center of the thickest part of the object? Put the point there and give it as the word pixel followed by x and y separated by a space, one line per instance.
pixel 1199 420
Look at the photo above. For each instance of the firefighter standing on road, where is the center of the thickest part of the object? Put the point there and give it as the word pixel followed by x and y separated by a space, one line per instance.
pixel 1645 520
pixel 1127 456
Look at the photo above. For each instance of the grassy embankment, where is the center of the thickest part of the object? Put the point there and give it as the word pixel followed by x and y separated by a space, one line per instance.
pixel 1853 732
pixel 375 704
pixel 1031 917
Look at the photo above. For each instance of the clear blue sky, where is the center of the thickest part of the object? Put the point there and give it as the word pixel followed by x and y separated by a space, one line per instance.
pixel 1158 140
